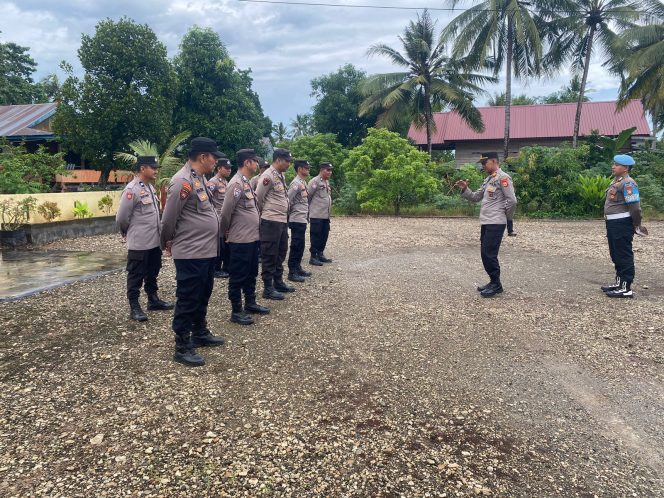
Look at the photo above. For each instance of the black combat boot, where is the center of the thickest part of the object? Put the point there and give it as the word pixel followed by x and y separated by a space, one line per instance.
pixel 492 289
pixel 156 304
pixel 269 292
pixel 239 316
pixel 185 352
pixel 136 312
pixel 281 286
pixel 323 259
pixel 314 261
pixel 201 337
pixel 294 275
pixel 220 274
pixel 612 287
pixel 251 306
pixel 480 288
pixel 301 271
pixel 624 291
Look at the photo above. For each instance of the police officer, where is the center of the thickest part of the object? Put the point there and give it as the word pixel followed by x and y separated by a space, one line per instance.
pixel 263 165
pixel 240 223
pixel 138 221
pixel 622 210
pixel 320 207
pixel 498 205
pixel 190 233
pixel 217 186
pixel 298 216
pixel 272 200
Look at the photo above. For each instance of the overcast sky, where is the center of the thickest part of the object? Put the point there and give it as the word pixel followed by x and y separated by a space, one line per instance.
pixel 285 46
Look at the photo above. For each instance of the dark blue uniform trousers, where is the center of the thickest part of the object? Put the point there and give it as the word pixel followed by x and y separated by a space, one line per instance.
pixel 491 237
pixel 620 234
pixel 195 280
pixel 242 270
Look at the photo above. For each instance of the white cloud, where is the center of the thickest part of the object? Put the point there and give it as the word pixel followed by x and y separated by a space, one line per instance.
pixel 285 46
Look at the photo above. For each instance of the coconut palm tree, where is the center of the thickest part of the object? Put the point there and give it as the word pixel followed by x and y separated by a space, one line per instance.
pixel 577 28
pixel 302 125
pixel 431 81
pixel 509 32
pixel 280 132
pixel 168 162
pixel 644 68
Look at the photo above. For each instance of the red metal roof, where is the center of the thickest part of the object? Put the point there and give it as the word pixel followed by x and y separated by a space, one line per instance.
pixel 18 120
pixel 538 121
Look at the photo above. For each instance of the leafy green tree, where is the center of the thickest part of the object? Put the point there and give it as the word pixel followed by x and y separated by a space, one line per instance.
pixel 23 172
pixel 215 98
pixel 338 98
pixel 127 91
pixel 508 29
pixel 47 89
pixel 386 151
pixel 404 180
pixel 431 81
pixel 316 149
pixel 16 69
pixel 499 99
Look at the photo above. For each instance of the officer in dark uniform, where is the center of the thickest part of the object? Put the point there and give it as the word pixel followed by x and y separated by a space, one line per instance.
pixel 498 204
pixel 240 223
pixel 138 221
pixel 218 185
pixel 298 217
pixel 190 233
pixel 622 210
pixel 272 200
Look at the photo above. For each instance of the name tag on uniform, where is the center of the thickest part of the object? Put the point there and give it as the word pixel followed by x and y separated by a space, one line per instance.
pixel 248 194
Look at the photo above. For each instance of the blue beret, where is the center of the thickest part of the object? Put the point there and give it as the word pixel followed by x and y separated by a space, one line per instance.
pixel 624 160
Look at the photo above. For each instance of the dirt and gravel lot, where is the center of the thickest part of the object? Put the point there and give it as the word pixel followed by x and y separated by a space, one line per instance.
pixel 385 375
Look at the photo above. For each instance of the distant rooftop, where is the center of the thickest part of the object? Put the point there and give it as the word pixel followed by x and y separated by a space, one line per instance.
pixel 538 121
pixel 18 121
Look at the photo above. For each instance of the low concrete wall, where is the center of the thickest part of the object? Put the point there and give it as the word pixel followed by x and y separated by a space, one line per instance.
pixel 65 201
pixel 43 233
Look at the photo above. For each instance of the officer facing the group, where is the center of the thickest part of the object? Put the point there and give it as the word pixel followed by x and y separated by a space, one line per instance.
pixel 498 205
pixel 320 207
pixel 240 225
pixel 218 185
pixel 272 200
pixel 263 165
pixel 622 210
pixel 138 221
pixel 190 233
pixel 298 215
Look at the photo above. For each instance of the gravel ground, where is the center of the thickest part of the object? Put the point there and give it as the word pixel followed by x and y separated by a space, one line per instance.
pixel 385 375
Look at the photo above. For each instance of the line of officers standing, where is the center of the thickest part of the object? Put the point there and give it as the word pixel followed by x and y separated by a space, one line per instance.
pixel 221 228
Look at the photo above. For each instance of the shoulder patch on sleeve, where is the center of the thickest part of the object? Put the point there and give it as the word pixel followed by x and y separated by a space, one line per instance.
pixel 505 181
pixel 130 195
pixel 266 181
pixel 631 193
pixel 185 190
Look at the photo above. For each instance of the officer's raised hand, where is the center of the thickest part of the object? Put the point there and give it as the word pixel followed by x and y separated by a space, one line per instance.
pixel 462 184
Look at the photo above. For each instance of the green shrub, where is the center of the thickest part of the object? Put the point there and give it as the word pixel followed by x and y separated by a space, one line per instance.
pixel 592 189
pixel 22 172
pixel 81 210
pixel 49 210
pixel 105 204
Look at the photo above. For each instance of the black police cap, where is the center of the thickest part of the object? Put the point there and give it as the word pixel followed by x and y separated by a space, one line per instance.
pixel 282 154
pixel 200 145
pixel 243 155
pixel 301 163
pixel 145 161
pixel 325 166
pixel 485 156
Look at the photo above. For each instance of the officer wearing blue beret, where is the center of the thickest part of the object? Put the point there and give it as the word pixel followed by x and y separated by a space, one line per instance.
pixel 622 210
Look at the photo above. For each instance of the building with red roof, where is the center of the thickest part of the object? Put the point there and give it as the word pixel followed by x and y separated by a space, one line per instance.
pixel 538 124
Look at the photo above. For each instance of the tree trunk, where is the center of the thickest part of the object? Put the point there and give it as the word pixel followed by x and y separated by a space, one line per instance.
pixel 427 118
pixel 655 127
pixel 508 88
pixel 579 104
pixel 397 207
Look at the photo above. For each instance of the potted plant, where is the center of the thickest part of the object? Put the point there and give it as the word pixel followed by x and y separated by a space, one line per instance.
pixel 14 216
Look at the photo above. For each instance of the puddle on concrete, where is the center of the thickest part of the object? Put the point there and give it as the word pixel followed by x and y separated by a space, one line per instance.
pixel 23 273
